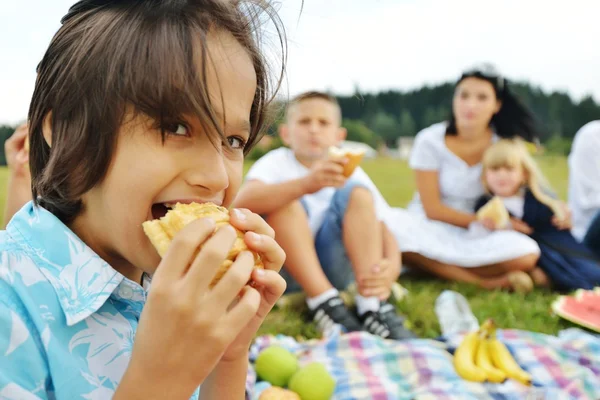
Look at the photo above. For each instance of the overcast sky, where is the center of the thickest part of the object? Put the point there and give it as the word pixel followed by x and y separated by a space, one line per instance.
pixel 373 44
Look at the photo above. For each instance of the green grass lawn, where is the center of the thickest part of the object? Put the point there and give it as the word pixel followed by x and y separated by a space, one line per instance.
pixel 396 182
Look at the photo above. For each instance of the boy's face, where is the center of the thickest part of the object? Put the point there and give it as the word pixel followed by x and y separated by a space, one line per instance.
pixel 145 173
pixel 313 126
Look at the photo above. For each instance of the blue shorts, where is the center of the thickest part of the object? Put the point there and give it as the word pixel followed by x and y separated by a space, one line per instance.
pixel 329 243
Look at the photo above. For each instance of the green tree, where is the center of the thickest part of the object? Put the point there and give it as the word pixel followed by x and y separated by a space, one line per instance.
pixel 386 127
pixel 359 132
pixel 407 125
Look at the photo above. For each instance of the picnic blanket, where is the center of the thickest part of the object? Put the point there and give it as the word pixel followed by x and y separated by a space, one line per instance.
pixel 364 366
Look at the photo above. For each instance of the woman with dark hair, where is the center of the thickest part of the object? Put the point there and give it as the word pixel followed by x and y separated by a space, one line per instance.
pixel 434 233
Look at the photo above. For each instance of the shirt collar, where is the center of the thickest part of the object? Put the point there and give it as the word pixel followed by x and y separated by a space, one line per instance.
pixel 82 280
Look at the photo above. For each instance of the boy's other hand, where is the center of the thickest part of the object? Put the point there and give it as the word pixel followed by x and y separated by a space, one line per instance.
pixel 259 237
pixel 186 327
pixel 378 281
pixel 17 158
pixel 326 173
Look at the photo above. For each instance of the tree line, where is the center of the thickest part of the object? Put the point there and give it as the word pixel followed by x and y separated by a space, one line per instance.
pixel 381 118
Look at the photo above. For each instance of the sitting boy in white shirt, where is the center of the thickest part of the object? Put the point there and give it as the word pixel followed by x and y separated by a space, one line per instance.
pixel 330 227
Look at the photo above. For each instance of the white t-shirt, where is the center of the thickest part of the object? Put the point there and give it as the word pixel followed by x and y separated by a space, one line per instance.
pixel 584 178
pixel 281 165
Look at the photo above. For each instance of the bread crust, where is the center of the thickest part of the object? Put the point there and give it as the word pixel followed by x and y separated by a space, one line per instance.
pixel 354 158
pixel 162 231
pixel 495 211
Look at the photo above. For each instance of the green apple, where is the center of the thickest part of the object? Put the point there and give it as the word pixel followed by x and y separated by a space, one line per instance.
pixel 313 382
pixel 276 365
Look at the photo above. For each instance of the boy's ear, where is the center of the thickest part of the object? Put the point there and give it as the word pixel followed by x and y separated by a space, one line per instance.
pixel 342 134
pixel 284 133
pixel 498 106
pixel 47 128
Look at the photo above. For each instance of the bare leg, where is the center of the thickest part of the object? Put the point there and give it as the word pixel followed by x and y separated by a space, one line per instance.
pixel 455 273
pixel 441 270
pixel 525 263
pixel 293 234
pixel 362 233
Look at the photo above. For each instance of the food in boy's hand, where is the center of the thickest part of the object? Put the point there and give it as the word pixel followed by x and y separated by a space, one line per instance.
pixel 354 157
pixel 313 382
pixel 277 393
pixel 161 231
pixel 495 211
pixel 276 365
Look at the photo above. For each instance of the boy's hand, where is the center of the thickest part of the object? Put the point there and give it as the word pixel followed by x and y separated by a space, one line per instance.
pixel 379 280
pixel 269 284
pixel 186 327
pixel 326 173
pixel 17 159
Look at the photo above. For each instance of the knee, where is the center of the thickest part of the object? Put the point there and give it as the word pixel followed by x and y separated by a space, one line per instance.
pixel 525 263
pixel 361 197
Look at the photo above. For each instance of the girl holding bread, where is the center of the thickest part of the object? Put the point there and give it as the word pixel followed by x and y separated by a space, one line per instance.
pixel 140 106
pixel 515 186
pixel 434 230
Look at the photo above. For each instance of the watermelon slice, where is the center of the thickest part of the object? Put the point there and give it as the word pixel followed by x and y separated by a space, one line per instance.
pixel 582 308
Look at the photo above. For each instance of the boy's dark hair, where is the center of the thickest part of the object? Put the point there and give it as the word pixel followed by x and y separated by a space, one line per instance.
pixel 514 119
pixel 113 54
pixel 313 94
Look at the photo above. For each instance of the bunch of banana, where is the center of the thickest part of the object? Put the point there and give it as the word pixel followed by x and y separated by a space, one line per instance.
pixel 482 357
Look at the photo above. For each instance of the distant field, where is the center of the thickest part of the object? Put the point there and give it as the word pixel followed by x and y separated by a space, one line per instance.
pixel 396 182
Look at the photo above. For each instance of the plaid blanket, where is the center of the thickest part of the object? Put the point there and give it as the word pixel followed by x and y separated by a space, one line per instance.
pixel 563 367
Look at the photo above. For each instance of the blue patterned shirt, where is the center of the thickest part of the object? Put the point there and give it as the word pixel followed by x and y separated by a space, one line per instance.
pixel 67 318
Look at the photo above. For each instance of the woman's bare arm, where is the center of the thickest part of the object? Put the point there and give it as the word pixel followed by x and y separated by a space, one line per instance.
pixel 429 191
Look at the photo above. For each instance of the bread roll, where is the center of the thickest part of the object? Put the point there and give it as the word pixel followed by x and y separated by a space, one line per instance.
pixel 496 211
pixel 354 158
pixel 161 231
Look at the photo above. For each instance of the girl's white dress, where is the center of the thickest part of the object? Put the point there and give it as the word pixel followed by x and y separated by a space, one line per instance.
pixel 460 187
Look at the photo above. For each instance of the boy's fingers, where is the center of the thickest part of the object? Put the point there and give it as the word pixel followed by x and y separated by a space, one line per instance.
pixel 234 280
pixel 271 285
pixel 245 309
pixel 271 253
pixel 246 220
pixel 209 259
pixel 183 248
pixel 333 167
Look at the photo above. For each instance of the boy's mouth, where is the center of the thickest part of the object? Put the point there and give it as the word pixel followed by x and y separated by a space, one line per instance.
pixel 159 210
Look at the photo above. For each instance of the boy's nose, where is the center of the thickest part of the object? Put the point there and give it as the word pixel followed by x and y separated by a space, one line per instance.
pixel 210 172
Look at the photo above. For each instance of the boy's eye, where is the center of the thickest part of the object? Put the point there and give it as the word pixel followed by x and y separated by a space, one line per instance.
pixel 177 129
pixel 236 142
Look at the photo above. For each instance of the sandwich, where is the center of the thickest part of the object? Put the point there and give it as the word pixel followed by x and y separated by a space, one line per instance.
pixel 495 211
pixel 353 157
pixel 162 231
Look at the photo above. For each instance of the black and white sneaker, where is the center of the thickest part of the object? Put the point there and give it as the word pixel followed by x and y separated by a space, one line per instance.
pixel 386 323
pixel 334 312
